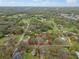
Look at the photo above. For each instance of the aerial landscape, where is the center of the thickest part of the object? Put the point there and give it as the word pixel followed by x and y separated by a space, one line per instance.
pixel 39 32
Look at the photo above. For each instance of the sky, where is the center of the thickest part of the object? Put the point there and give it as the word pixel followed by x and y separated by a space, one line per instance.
pixel 47 3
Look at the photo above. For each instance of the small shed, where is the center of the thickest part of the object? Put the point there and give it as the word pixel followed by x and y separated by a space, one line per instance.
pixel 77 53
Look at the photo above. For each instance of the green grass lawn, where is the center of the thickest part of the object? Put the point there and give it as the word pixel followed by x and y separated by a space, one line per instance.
pixel 2 40
pixel 29 56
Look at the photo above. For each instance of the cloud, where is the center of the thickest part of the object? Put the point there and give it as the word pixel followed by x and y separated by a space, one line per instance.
pixel 6 0
pixel 11 3
pixel 71 1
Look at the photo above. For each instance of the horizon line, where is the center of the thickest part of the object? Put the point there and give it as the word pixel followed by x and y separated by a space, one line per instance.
pixel 39 6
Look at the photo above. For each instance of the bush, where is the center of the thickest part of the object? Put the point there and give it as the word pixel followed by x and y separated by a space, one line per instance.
pixel 1 34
